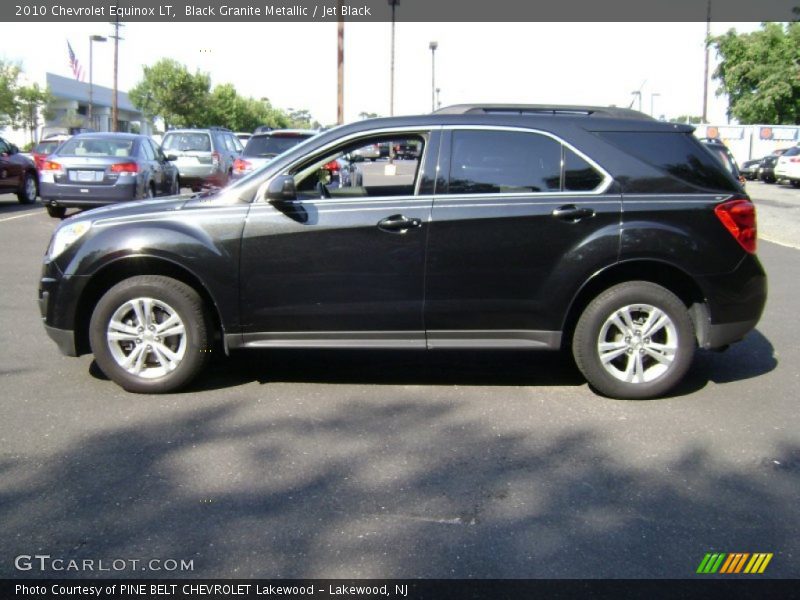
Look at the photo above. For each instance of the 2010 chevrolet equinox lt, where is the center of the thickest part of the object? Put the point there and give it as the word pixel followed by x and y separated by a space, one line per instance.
pixel 595 229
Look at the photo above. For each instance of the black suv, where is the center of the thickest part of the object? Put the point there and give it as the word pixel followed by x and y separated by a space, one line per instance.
pixel 595 229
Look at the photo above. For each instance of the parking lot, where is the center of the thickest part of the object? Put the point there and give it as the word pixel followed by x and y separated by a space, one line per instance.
pixel 401 464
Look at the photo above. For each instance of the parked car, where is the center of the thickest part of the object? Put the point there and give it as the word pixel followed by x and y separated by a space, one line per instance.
pixel 263 147
pixel 17 174
pixel 750 168
pixel 723 154
pixel 507 231
pixel 95 169
pixel 766 170
pixel 204 157
pixel 46 147
pixel 788 166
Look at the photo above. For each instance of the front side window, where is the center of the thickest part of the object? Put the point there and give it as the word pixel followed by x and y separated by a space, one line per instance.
pixel 381 166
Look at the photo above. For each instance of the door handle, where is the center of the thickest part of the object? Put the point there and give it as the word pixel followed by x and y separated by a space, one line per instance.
pixel 572 213
pixel 398 224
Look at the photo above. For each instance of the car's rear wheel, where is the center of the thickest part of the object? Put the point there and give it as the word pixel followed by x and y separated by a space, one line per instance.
pixel 57 212
pixel 150 334
pixel 28 191
pixel 634 341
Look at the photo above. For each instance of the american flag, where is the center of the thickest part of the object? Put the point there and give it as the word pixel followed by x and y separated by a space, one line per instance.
pixel 77 70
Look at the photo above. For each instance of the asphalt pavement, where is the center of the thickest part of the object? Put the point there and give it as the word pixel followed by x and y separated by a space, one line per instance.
pixel 400 464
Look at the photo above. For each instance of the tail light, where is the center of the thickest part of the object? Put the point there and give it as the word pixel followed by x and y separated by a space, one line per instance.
pixel 795 159
pixel 739 218
pixel 241 166
pixel 49 165
pixel 331 166
pixel 215 158
pixel 128 168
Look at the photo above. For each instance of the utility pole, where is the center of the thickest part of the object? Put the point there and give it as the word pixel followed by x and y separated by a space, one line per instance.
pixel 340 69
pixel 705 72
pixel 433 46
pixel 393 4
pixel 114 99
pixel 92 39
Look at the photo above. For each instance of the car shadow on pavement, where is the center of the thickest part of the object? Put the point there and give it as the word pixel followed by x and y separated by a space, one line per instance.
pixel 9 206
pixel 752 357
pixel 411 488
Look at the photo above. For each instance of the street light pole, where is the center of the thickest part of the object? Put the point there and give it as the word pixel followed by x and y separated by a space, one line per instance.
pixel 638 94
pixel 393 4
pixel 433 46
pixel 652 97
pixel 340 68
pixel 114 105
pixel 92 39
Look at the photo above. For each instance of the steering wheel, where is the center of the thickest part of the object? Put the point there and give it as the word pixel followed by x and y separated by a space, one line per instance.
pixel 322 190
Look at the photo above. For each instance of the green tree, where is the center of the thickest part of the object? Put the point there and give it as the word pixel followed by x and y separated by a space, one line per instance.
pixel 9 86
pixel 30 100
pixel 302 119
pixel 687 119
pixel 368 115
pixel 169 91
pixel 760 73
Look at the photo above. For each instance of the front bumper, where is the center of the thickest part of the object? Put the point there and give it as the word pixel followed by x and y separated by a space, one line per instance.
pixel 58 301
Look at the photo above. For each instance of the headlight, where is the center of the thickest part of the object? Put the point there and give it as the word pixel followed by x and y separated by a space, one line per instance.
pixel 66 235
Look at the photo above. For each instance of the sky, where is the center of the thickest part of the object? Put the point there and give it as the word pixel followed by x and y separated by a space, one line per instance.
pixel 294 64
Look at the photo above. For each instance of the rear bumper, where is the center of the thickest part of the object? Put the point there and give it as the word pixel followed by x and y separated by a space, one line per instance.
pixel 69 195
pixel 735 302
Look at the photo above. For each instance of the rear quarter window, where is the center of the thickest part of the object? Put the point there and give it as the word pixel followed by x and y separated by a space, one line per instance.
pixel 679 154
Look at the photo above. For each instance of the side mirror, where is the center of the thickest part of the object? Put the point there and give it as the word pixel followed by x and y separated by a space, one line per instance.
pixel 282 189
pixel 172 157
pixel 12 149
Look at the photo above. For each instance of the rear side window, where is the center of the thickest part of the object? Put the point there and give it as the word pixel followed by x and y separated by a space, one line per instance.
pixel 187 142
pixel 492 162
pixel 679 154
pixel 46 147
pixel 579 175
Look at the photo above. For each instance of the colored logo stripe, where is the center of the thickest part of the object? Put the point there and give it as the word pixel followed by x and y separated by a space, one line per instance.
pixel 734 562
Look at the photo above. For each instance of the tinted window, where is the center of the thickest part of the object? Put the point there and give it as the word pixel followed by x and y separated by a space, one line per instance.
pixel 267 146
pixel 679 154
pixel 792 151
pixel 490 162
pixel 579 175
pixel 187 142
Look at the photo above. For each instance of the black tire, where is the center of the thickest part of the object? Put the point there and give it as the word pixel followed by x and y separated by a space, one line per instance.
pixel 795 183
pixel 597 315
pixel 185 302
pixel 29 190
pixel 57 212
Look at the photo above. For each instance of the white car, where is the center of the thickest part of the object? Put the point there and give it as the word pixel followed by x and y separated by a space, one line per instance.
pixel 788 166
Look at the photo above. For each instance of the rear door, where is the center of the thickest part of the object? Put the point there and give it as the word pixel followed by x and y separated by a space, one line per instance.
pixel 519 221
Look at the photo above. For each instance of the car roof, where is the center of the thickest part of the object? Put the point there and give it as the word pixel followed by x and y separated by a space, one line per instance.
pixel 99 135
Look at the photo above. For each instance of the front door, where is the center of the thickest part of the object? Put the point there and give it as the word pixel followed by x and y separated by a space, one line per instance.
pixel 343 264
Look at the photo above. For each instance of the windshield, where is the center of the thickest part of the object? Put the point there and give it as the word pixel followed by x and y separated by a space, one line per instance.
pixel 46 147
pixel 186 142
pixel 97 147
pixel 269 146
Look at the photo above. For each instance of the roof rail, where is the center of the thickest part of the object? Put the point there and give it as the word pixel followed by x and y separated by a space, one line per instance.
pixel 542 109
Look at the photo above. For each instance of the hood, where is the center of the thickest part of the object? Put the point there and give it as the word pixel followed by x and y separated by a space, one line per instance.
pixel 133 208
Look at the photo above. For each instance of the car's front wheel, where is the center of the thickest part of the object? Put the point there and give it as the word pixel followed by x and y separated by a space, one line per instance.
pixel 634 341
pixel 57 212
pixel 28 191
pixel 150 334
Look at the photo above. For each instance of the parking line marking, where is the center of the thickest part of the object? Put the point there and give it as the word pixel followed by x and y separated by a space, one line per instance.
pixel 28 214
